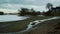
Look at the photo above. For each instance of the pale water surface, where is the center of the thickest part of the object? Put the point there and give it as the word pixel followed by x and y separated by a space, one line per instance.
pixel 6 18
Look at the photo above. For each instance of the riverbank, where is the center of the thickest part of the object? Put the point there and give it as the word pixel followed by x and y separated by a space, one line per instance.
pixel 47 27
pixel 19 25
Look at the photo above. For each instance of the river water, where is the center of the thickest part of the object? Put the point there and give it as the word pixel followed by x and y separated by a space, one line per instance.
pixel 6 18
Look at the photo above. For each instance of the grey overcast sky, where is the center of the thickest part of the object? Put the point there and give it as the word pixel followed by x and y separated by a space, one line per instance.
pixel 14 5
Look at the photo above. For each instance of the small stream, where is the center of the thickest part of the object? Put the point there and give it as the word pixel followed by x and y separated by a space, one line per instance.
pixel 32 24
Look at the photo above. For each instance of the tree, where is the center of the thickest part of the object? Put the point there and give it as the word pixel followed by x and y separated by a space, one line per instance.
pixel 24 11
pixel 32 10
pixel 1 13
pixel 49 6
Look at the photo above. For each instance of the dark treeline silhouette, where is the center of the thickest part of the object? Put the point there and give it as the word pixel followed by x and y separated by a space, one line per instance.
pixel 1 13
pixel 53 11
pixel 26 11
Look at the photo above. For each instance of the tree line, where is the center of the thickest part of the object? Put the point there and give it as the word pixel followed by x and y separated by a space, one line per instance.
pixel 52 11
pixel 31 12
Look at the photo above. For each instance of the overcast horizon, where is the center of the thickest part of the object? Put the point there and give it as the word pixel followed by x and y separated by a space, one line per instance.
pixel 14 5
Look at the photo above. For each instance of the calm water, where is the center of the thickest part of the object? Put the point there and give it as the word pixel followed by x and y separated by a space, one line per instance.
pixel 5 18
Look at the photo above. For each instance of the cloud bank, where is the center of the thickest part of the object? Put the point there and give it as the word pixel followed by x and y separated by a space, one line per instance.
pixel 39 5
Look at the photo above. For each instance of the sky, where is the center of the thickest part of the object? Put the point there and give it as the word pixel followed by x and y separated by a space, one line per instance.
pixel 10 6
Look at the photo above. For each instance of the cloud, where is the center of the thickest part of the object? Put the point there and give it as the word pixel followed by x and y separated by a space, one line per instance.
pixel 30 0
pixel 55 1
pixel 17 4
pixel 8 11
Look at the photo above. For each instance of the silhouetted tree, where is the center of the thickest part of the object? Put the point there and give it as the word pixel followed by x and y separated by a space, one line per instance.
pixel 49 6
pixel 43 13
pixel 25 11
pixel 1 13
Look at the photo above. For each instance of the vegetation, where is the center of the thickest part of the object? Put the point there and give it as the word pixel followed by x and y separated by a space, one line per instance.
pixel 49 6
pixel 31 12
pixel 53 11
pixel 1 13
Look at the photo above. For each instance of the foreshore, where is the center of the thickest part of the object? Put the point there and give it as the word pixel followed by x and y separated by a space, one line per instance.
pixel 47 27
pixel 19 25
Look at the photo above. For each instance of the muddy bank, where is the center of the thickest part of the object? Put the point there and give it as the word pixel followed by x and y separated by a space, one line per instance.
pixel 47 27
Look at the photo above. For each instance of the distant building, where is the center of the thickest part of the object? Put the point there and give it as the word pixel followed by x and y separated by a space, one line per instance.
pixel 53 12
pixel 1 13
pixel 56 9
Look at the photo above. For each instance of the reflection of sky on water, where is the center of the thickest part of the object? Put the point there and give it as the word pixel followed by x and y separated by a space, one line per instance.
pixel 4 18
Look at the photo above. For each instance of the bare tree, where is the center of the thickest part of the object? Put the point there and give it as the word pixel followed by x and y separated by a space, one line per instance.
pixel 49 6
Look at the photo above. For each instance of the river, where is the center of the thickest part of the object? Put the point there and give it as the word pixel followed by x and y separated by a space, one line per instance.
pixel 7 18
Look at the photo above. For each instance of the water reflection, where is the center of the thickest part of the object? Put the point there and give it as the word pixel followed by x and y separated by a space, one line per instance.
pixel 5 18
